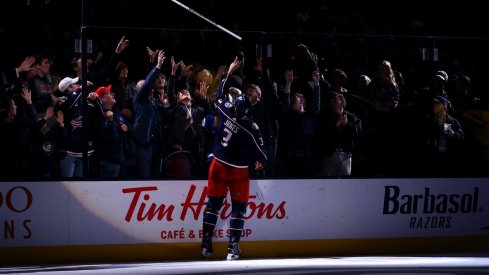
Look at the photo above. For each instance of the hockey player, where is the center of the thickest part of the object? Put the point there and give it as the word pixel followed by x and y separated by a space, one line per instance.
pixel 238 144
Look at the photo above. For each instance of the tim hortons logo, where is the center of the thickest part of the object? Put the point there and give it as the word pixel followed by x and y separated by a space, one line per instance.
pixel 143 208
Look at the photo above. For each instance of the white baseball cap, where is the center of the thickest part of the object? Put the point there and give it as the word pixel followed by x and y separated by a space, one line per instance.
pixel 66 82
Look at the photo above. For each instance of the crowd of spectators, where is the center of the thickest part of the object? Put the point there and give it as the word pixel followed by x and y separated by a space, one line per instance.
pixel 401 93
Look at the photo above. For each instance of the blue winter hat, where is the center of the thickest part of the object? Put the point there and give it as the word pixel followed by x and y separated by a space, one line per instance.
pixel 440 99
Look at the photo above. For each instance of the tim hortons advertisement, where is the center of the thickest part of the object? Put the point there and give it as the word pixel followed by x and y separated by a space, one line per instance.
pixel 131 212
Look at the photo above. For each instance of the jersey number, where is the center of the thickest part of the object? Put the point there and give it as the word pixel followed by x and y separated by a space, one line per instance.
pixel 226 136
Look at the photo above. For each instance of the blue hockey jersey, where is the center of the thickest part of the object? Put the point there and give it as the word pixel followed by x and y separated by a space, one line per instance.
pixel 239 142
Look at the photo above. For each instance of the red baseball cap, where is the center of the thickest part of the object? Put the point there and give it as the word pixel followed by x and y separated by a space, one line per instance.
pixel 101 91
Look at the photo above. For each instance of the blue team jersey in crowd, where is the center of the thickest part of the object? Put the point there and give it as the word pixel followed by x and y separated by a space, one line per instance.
pixel 239 142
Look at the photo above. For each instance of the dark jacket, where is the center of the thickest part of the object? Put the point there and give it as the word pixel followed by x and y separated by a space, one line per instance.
pixel 145 118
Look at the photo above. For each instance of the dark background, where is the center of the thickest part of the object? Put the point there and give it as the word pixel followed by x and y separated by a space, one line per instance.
pixel 30 27
pixel 352 35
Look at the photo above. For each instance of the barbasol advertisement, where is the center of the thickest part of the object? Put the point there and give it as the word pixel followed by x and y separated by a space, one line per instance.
pixel 133 212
